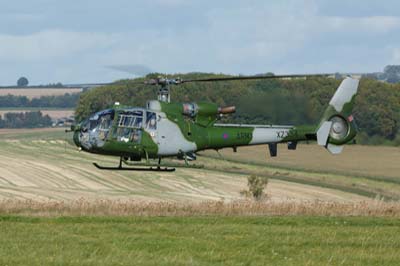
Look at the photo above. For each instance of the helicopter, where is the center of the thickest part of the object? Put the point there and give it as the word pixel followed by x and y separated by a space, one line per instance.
pixel 142 136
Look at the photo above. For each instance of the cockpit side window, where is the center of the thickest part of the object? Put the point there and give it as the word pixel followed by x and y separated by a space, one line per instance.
pixel 101 123
pixel 96 129
pixel 93 122
pixel 151 120
pixel 106 121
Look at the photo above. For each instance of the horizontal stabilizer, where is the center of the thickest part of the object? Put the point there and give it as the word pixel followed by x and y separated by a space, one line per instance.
pixel 323 133
pixel 335 149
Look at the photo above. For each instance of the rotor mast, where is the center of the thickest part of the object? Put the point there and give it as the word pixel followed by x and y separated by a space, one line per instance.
pixel 164 91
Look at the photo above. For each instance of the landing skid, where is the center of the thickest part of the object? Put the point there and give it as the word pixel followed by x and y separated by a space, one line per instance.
pixel 147 166
pixel 148 169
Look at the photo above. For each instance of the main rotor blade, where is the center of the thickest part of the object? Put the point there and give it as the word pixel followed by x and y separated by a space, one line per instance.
pixel 137 70
pixel 85 85
pixel 93 85
pixel 174 81
pixel 255 77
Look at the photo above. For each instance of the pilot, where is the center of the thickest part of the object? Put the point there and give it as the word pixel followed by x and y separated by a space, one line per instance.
pixel 151 120
pixel 125 133
pixel 152 123
pixel 136 136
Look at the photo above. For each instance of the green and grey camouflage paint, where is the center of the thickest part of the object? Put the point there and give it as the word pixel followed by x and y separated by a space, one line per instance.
pixel 173 129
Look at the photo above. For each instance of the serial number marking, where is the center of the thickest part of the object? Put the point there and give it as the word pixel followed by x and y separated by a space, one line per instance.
pixel 244 135
pixel 286 133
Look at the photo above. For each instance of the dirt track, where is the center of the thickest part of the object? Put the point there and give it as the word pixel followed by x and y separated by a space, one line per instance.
pixel 47 169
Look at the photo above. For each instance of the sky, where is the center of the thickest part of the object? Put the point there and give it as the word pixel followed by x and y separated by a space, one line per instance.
pixel 74 41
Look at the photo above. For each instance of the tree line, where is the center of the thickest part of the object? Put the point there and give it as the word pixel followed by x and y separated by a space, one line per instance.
pixel 62 101
pixel 25 120
pixel 295 101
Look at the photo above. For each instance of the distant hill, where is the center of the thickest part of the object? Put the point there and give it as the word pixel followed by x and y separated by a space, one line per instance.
pixel 390 74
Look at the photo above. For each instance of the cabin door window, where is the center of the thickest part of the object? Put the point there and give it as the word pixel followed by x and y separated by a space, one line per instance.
pixel 129 128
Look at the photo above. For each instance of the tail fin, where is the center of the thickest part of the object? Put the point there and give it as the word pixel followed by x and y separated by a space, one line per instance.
pixel 337 126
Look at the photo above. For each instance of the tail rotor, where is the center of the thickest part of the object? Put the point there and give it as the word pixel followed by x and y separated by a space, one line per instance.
pixel 337 126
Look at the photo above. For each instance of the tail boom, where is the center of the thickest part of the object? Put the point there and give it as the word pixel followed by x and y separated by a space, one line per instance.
pixel 234 135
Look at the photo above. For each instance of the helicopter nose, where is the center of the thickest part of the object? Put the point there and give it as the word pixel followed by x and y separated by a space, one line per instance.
pixel 77 130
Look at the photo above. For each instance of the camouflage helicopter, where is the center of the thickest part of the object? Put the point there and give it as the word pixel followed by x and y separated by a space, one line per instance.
pixel 165 129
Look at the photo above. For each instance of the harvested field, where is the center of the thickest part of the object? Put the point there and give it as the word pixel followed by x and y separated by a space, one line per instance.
pixel 39 165
pixel 38 92
pixel 59 175
pixel 57 209
pixel 374 161
pixel 12 133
